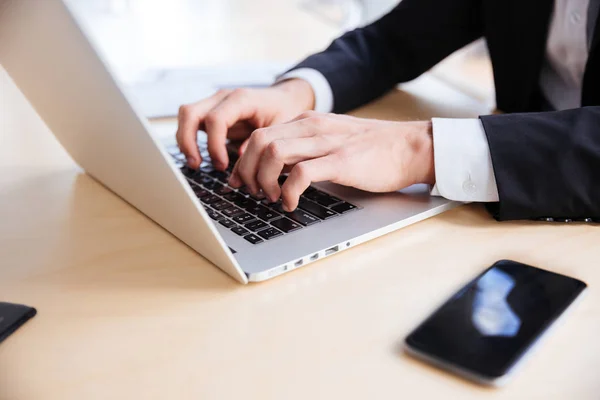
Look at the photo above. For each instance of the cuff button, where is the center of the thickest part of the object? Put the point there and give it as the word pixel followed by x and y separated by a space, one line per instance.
pixel 469 187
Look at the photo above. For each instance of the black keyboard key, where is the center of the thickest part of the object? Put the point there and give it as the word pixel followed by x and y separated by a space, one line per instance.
pixel 343 207
pixel 211 185
pixel 322 198
pixel 200 192
pixel 256 225
pixel 203 179
pixel 302 217
pixel 277 207
pixel 312 195
pixel 260 208
pixel 258 196
pixel 328 200
pixel 269 233
pixel 221 205
pixel 252 238
pixel 244 190
pixel 214 215
pixel 227 223
pixel 286 225
pixel 214 186
pixel 232 212
pixel 223 190
pixel 245 202
pixel 220 175
pixel 254 208
pixel 238 230
pixel 210 199
pixel 188 172
pixel 234 197
pixel 243 218
pixel 316 209
pixel 273 206
pixel 309 189
pixel 267 215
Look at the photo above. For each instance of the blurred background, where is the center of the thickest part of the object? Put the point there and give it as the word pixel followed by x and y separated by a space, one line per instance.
pixel 172 52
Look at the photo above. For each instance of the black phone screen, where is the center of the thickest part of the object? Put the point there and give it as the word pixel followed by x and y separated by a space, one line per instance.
pixel 491 322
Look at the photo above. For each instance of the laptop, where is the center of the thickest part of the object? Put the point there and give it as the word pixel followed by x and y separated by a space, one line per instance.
pixel 57 68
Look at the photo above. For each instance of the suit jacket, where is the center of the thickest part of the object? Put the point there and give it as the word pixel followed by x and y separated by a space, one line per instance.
pixel 547 164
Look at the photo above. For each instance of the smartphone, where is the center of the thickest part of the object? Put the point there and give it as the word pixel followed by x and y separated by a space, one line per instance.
pixel 485 329
pixel 12 317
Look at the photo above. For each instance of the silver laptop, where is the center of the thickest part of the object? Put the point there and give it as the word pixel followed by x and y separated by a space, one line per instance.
pixel 56 67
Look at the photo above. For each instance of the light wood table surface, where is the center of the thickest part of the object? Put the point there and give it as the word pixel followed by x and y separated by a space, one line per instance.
pixel 126 311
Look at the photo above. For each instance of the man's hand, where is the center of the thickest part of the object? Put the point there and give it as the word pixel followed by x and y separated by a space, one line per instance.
pixel 235 114
pixel 372 155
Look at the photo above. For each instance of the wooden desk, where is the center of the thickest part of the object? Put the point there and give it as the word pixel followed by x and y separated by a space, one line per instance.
pixel 127 311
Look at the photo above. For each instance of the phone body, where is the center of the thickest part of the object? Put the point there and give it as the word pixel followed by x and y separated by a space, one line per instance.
pixel 485 329
pixel 12 317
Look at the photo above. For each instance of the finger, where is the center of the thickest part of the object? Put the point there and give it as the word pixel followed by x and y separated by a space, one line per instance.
pixel 316 115
pixel 282 152
pixel 303 174
pixel 187 136
pixel 234 108
pixel 259 140
pixel 189 119
pixel 234 178
pixel 244 146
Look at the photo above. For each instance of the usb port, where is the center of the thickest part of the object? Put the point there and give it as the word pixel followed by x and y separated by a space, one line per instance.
pixel 314 257
pixel 331 250
pixel 298 263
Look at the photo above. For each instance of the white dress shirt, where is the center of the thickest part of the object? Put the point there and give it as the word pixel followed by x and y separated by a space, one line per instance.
pixel 463 165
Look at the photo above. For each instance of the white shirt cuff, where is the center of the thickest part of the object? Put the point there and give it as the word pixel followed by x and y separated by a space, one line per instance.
pixel 319 84
pixel 463 164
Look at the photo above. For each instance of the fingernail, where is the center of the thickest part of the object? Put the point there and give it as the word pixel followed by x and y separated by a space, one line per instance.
pixel 286 208
pixel 191 161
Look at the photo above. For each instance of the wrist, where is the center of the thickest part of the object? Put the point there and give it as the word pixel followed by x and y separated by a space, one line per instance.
pixel 299 91
pixel 423 150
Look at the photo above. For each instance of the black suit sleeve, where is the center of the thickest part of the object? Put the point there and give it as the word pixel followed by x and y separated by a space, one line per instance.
pixel 365 63
pixel 546 164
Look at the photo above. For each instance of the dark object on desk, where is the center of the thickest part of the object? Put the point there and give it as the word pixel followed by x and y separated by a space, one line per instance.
pixel 12 316
pixel 487 326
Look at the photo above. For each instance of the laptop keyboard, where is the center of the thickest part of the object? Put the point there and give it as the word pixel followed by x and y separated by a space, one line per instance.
pixel 252 216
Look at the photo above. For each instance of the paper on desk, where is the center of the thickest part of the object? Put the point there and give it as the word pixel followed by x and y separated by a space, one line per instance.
pixel 160 92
